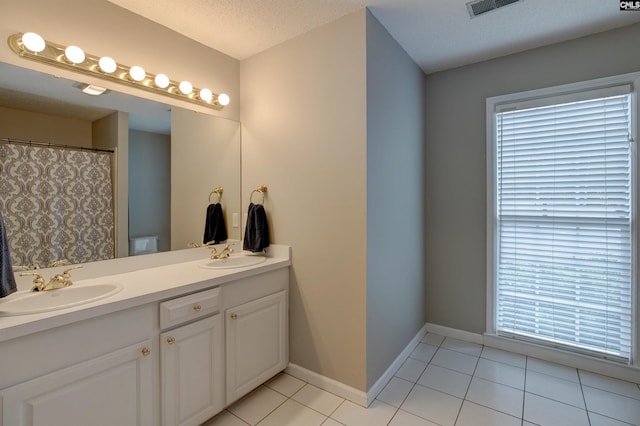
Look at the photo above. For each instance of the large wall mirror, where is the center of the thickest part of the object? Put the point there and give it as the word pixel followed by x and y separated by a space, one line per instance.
pixel 166 165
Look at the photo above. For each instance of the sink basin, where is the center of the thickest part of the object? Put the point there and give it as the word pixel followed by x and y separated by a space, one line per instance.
pixel 238 261
pixel 24 303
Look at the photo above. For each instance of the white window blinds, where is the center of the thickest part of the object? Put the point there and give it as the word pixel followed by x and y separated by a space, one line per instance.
pixel 564 210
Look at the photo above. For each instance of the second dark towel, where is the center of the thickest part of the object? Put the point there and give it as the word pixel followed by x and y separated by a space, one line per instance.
pixel 214 227
pixel 256 235
pixel 7 279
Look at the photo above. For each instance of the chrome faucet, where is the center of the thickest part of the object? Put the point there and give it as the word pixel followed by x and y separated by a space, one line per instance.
pixel 226 251
pixel 57 281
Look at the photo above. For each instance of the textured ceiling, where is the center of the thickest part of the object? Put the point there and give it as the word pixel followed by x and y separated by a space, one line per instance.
pixel 437 34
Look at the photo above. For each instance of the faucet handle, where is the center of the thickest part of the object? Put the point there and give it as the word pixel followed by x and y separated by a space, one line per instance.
pixel 59 263
pixel 66 273
pixel 38 281
pixel 17 268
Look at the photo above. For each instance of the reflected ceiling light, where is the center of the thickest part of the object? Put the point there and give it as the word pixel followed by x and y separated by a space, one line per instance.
pixel 33 47
pixel 93 90
pixel 185 87
pixel 205 94
pixel 223 99
pixel 107 64
pixel 162 81
pixel 33 42
pixel 74 54
pixel 137 73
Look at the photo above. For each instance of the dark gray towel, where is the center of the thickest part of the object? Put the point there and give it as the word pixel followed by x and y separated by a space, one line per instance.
pixel 256 234
pixel 214 227
pixel 7 280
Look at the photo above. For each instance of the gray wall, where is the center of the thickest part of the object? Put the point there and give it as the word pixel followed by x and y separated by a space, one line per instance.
pixel 150 186
pixel 395 215
pixel 455 158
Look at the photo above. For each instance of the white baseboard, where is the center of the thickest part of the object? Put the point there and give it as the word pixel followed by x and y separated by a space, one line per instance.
pixel 356 396
pixel 386 377
pixel 330 385
pixel 454 333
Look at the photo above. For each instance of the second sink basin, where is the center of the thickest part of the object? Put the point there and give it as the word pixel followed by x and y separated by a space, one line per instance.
pixel 234 261
pixel 24 303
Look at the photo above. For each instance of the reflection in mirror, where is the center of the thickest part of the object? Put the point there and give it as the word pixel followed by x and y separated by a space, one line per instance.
pixel 204 154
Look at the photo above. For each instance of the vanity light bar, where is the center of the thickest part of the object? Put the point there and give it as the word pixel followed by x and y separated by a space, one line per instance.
pixel 32 46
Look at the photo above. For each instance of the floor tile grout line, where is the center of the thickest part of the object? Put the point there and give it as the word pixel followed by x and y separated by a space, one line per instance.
pixel 524 386
pixel 269 413
pixel 305 405
pixel 584 398
pixel 475 368
pixel 410 390
pixel 414 384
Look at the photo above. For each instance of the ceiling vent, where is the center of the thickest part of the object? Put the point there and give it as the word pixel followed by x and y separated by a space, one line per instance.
pixel 479 7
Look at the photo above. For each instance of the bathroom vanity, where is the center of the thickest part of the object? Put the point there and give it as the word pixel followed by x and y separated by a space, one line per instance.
pixel 178 343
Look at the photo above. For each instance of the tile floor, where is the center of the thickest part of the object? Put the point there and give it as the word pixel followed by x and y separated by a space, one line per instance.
pixel 451 382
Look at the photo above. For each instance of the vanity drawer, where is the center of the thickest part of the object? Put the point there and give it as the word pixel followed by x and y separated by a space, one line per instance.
pixel 187 308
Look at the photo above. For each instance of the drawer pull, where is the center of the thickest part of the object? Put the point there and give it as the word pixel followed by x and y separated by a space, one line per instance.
pixel 146 351
pixel 197 307
pixel 171 340
pixel 234 316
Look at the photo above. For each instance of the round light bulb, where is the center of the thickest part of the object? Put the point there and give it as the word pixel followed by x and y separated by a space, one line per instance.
pixel 223 99
pixel 33 42
pixel 107 64
pixel 137 73
pixel 205 95
pixel 162 81
pixel 74 54
pixel 185 87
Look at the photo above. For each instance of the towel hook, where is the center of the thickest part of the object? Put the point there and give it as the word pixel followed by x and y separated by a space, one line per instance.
pixel 217 190
pixel 261 190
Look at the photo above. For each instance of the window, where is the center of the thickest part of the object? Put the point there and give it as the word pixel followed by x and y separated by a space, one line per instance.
pixel 561 217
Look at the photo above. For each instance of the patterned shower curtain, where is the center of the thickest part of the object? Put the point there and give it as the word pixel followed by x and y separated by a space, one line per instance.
pixel 57 204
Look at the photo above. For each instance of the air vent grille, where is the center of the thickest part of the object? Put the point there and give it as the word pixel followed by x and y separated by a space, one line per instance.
pixel 478 7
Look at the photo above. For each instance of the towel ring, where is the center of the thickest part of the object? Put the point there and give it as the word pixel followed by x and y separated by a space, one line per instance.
pixel 217 190
pixel 261 190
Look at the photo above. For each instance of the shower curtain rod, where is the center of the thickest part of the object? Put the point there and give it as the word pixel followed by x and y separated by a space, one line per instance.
pixel 55 145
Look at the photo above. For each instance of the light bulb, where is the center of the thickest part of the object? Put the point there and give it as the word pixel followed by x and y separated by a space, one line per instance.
pixel 223 99
pixel 33 42
pixel 206 95
pixel 137 73
pixel 74 54
pixel 162 81
pixel 107 64
pixel 185 87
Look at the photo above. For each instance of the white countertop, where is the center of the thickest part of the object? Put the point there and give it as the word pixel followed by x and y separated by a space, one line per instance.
pixel 145 279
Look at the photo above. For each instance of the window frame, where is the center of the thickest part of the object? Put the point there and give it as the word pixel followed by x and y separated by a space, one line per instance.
pixel 493 105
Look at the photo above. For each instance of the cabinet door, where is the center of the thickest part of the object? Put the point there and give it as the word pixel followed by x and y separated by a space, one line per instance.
pixel 114 389
pixel 192 370
pixel 257 335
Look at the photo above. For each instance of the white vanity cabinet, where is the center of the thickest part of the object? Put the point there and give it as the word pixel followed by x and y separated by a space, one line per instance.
pixel 114 389
pixel 192 359
pixel 173 357
pixel 100 371
pixel 257 332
